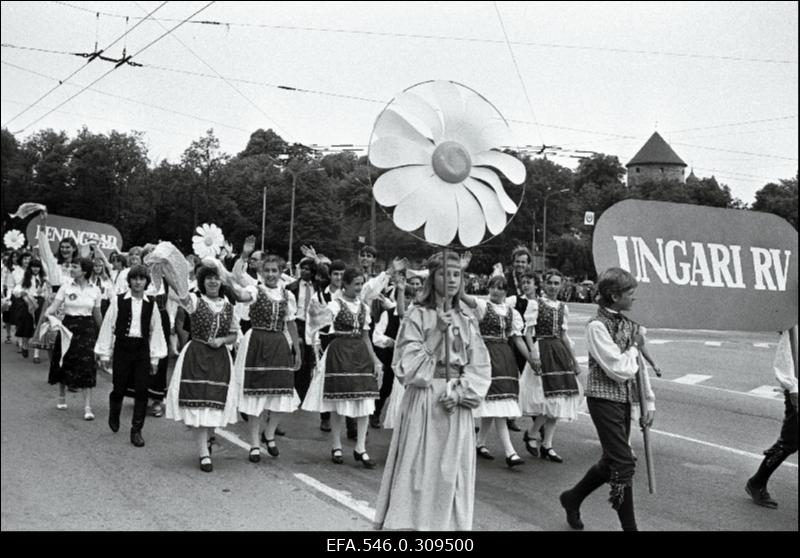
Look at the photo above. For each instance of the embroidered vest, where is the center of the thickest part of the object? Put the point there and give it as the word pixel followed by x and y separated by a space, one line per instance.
pixel 495 325
pixel 207 324
pixel 347 322
pixel 122 326
pixel 599 384
pixel 550 320
pixel 269 314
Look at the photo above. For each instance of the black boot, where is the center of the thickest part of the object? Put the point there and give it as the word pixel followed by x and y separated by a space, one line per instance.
pixel 136 438
pixel 139 413
pixel 756 485
pixel 572 499
pixel 627 517
pixel 114 410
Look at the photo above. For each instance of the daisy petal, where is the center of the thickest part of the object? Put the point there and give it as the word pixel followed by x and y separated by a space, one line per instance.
pixel 471 223
pixel 420 114
pixel 510 166
pixel 496 134
pixel 391 187
pixel 492 210
pixel 449 99
pixel 441 213
pixel 489 176
pixel 200 230
pixel 391 124
pixel 387 153
pixel 410 213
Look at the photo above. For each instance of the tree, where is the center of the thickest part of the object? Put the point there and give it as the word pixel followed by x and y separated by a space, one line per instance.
pixel 264 143
pixel 780 199
pixel 204 160
pixel 600 170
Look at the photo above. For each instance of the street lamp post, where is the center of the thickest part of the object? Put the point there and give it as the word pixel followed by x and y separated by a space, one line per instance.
pixel 544 223
pixel 295 175
pixel 263 216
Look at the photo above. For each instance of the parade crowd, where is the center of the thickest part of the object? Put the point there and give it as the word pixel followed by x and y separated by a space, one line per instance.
pixel 404 349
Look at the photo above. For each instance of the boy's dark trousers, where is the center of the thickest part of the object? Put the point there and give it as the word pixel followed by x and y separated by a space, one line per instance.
pixel 131 368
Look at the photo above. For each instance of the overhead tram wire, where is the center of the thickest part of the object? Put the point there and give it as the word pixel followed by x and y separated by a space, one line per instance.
pixel 731 124
pixel 454 38
pixel 62 81
pixel 519 74
pixel 128 99
pixel 151 43
pixel 231 85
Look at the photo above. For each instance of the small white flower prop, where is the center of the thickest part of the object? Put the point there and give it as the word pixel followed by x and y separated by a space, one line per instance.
pixel 14 239
pixel 444 164
pixel 208 241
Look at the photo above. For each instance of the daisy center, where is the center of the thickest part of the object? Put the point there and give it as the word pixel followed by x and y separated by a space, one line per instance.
pixel 451 162
pixel 209 241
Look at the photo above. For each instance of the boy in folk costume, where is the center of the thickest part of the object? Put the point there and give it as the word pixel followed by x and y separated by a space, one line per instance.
pixel 132 330
pixel 614 343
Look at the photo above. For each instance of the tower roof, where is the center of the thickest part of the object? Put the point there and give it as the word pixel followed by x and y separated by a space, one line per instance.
pixel 656 151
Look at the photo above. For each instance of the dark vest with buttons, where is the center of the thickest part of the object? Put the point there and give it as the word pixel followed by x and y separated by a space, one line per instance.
pixel 393 325
pixel 125 315
pixel 599 384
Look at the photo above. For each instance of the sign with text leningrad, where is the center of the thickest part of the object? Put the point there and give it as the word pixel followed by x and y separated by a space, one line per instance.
pixel 702 267
pixel 84 232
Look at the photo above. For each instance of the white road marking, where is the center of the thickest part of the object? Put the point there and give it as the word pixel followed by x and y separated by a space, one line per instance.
pixel 770 392
pixel 341 496
pixel 762 345
pixel 692 379
pixel 658 341
pixel 715 388
pixel 713 344
pixel 713 445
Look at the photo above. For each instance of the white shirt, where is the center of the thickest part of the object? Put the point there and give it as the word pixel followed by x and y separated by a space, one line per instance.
pixel 619 366
pixel 105 340
pixel 379 337
pixel 79 301
pixel 304 288
pixel 121 281
pixel 783 365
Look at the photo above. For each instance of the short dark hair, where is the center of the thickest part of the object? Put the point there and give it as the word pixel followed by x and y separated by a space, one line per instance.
pixel 529 275
pixel 87 265
pixel 71 241
pixel 520 250
pixel 338 265
pixel 498 282
pixel 139 271
pixel 203 272
pixel 613 281
pixel 312 265
pixel 368 249
pixel 551 272
pixel 350 275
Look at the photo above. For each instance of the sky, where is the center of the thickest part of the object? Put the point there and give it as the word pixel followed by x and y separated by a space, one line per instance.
pixel 718 80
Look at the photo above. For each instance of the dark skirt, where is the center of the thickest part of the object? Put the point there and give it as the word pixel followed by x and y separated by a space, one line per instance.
pixel 18 309
pixel 558 369
pixel 268 365
pixel 349 372
pixel 26 322
pixel 205 376
pixel 505 374
pixel 79 369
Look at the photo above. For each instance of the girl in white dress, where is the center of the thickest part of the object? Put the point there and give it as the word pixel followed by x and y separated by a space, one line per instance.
pixel 346 378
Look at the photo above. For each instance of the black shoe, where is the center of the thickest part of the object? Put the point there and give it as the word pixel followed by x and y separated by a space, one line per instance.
pixel 512 425
pixel 255 455
pixel 573 513
pixel 25 353
pixel 483 452
pixel 549 453
pixel 514 460
pixel 272 449
pixel 244 417
pixel 325 425
pixel 136 438
pixel 279 432
pixel 205 464
pixel 375 421
pixel 760 495
pixel 533 450
pixel 365 461
pixel 336 456
pixel 113 423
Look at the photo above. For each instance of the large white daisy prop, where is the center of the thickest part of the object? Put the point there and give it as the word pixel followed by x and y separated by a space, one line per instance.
pixel 440 139
pixel 14 239
pixel 208 241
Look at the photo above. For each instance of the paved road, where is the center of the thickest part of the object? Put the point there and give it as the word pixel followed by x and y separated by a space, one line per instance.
pixel 60 472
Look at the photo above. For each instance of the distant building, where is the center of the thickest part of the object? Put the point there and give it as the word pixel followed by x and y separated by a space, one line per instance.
pixel 655 161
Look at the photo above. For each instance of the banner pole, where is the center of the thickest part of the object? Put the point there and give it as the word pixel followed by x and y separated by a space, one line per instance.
pixel 648 452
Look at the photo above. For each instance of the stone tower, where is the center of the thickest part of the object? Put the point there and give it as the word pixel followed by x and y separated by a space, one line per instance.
pixel 655 162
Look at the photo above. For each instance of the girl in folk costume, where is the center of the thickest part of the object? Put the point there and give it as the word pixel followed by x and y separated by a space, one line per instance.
pixel 33 291
pixel 528 307
pixel 498 323
pixel 9 260
pixel 157 390
pixel 80 302
pixel 132 334
pixel 345 382
pixel 264 365
pixel 203 393
pixel 614 344
pixel 18 306
pixel 57 269
pixel 550 390
pixel 429 479
pixel 101 279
